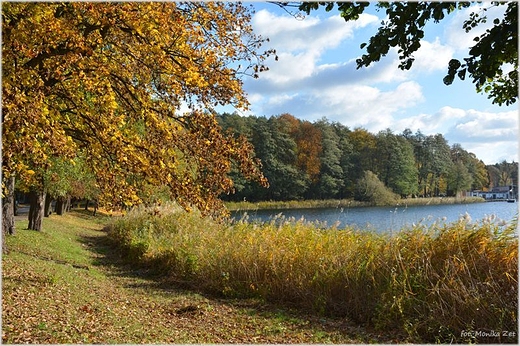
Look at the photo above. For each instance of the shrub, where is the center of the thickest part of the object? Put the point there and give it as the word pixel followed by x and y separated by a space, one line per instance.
pixel 370 189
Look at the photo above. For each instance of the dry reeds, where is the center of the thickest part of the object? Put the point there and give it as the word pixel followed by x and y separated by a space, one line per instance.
pixel 438 284
pixel 348 203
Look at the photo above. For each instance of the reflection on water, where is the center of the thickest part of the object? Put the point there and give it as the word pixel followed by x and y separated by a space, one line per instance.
pixel 393 218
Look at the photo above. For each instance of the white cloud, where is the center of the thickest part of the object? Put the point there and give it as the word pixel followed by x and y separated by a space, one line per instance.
pixel 456 36
pixel 376 110
pixel 300 85
pixel 432 56
pixel 480 126
pixel 316 77
pixel 467 125
pixel 289 34
pixel 354 105
pixel 491 136
pixel 255 98
pixel 280 100
pixel 303 73
pixel 291 68
pixel 431 123
pixel 301 43
pixel 493 151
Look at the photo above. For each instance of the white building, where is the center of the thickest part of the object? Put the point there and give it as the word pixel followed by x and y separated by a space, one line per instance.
pixel 509 192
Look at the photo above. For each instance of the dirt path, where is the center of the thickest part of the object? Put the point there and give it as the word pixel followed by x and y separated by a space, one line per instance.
pixel 194 318
pixel 88 295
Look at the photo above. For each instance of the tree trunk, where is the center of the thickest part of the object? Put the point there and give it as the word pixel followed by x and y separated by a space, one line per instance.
pixel 60 205
pixel 48 211
pixel 15 205
pixel 68 203
pixel 36 210
pixel 8 205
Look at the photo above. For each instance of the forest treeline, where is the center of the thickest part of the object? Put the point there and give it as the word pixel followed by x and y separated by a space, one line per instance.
pixel 326 160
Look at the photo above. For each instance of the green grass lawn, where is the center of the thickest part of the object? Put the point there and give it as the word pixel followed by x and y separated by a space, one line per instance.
pixel 68 284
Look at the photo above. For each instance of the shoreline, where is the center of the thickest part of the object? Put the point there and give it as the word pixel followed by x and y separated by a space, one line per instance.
pixel 347 203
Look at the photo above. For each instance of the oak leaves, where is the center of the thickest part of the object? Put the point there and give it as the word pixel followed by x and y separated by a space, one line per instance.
pixel 107 81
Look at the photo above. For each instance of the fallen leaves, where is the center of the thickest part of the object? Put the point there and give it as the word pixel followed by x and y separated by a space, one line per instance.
pixel 47 302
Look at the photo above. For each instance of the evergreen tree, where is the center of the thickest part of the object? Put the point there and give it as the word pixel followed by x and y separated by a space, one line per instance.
pixel 330 180
pixel 277 152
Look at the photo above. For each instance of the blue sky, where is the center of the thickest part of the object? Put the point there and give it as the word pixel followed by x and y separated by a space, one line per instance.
pixel 316 77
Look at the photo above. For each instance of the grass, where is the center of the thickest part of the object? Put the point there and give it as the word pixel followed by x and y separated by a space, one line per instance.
pixel 448 283
pixel 344 203
pixel 69 284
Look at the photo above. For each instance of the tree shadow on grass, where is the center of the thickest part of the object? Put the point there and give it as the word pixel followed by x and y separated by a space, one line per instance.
pixel 88 214
pixel 109 258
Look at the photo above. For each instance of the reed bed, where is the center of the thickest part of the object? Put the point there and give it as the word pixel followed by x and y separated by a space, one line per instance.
pixel 443 283
pixel 347 203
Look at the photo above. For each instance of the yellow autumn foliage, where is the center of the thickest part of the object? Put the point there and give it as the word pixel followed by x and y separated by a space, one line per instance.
pixel 112 77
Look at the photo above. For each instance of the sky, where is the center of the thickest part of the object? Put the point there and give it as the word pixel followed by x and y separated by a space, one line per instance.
pixel 316 77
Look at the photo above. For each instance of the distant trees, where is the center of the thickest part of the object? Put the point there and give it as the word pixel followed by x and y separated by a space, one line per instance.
pixel 437 164
pixel 396 163
pixel 67 179
pixel 330 181
pixel 362 157
pixel 324 160
pixel 308 140
pixel 278 152
pixel 503 173
pixel 460 178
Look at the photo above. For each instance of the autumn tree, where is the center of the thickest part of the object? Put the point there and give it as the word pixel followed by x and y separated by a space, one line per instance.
pixel 503 173
pixel 491 64
pixel 109 79
pixel 308 141
pixel 479 173
pixel 476 178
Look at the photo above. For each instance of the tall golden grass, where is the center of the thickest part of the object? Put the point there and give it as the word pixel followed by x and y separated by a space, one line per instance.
pixel 443 283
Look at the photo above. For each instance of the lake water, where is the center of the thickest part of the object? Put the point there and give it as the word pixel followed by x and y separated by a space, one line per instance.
pixel 391 218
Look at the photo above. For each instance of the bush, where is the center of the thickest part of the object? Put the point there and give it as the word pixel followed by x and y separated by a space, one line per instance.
pixel 370 189
pixel 430 283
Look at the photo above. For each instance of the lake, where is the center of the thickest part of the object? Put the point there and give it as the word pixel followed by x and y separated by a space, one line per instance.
pixel 390 218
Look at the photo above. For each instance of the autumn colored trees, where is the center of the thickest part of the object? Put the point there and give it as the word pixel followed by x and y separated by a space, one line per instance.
pixel 324 160
pixel 101 85
pixel 503 173
pixel 106 81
